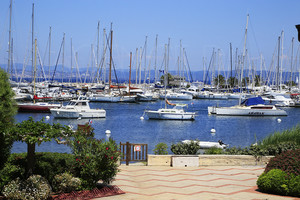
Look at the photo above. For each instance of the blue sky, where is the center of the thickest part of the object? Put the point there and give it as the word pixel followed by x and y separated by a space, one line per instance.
pixel 201 25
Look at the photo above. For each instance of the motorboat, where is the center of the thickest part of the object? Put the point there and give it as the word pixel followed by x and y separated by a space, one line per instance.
pixel 79 108
pixel 175 113
pixel 207 144
pixel 250 107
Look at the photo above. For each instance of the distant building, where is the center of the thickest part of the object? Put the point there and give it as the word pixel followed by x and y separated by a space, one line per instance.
pixel 178 81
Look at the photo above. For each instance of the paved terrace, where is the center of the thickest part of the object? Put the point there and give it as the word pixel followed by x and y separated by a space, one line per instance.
pixel 195 183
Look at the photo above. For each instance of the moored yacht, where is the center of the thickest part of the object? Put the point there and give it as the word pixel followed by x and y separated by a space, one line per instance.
pixel 250 107
pixel 78 109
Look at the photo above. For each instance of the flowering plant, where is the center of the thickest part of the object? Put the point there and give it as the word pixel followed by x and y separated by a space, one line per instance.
pixel 95 159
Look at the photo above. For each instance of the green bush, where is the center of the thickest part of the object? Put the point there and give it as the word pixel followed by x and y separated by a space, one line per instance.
pixel 47 165
pixel 214 150
pixel 161 149
pixel 190 148
pixel 65 183
pixel 281 147
pixel 288 161
pixel 294 186
pixel 9 173
pixel 274 181
pixel 35 188
pixel 94 159
pixel 236 151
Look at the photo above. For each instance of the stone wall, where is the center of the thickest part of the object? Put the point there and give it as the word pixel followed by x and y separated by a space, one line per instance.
pixel 206 160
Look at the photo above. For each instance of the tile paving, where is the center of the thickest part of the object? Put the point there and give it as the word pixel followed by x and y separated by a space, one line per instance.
pixel 190 183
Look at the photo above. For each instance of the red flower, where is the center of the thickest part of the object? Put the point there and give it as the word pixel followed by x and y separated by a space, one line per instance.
pixel 105 156
pixel 82 163
pixel 76 159
pixel 107 148
pixel 78 142
pixel 112 157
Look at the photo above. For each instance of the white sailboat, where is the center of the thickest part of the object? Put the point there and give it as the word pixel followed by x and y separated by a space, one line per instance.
pixel 175 113
pixel 250 107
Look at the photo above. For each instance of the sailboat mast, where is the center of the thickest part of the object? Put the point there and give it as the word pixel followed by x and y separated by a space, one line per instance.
pixel 166 75
pixel 63 60
pixel 244 53
pixel 137 65
pixel 70 79
pixel 9 37
pixel 130 72
pixel 49 53
pixel 32 37
pixel 104 56
pixel 34 72
pixel 155 76
pixel 98 36
pixel 277 71
pixel 291 76
pixel 281 62
pixel 110 59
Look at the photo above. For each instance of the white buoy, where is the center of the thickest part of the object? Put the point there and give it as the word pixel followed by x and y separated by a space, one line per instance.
pixel 47 117
pixel 142 118
pixel 278 120
pixel 212 130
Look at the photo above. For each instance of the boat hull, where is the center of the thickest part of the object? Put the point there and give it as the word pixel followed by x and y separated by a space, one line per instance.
pixel 112 99
pixel 36 108
pixel 235 111
pixel 170 116
pixel 58 113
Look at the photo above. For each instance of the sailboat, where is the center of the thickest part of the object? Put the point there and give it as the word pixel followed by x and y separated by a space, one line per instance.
pixel 111 97
pixel 250 107
pixel 39 106
pixel 175 113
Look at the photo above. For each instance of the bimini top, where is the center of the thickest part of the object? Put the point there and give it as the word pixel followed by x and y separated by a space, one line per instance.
pixel 253 101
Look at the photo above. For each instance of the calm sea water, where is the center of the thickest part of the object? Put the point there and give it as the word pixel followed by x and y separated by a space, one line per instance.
pixel 123 120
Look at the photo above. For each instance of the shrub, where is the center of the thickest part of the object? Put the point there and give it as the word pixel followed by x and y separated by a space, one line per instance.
pixel 65 183
pixel 274 181
pixel 214 150
pixel 236 151
pixel 190 148
pixel 294 186
pixel 47 165
pixel 94 159
pixel 280 147
pixel 9 173
pixel 288 161
pixel 35 188
pixel 161 149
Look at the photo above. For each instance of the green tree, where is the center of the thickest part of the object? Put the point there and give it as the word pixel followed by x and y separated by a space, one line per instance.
pixel 36 132
pixel 232 81
pixel 220 80
pixel 245 81
pixel 162 78
pixel 8 110
pixel 257 80
pixel 161 149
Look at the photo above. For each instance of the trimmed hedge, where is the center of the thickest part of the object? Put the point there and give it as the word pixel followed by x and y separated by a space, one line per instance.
pixel 274 181
pixel 282 174
pixel 288 161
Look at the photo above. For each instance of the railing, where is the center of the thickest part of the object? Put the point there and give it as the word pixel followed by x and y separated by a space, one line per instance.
pixel 133 152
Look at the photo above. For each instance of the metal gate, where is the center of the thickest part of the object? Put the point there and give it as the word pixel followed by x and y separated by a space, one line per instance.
pixel 133 152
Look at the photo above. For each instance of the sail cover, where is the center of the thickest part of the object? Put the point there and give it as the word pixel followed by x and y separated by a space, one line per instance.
pixel 253 101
